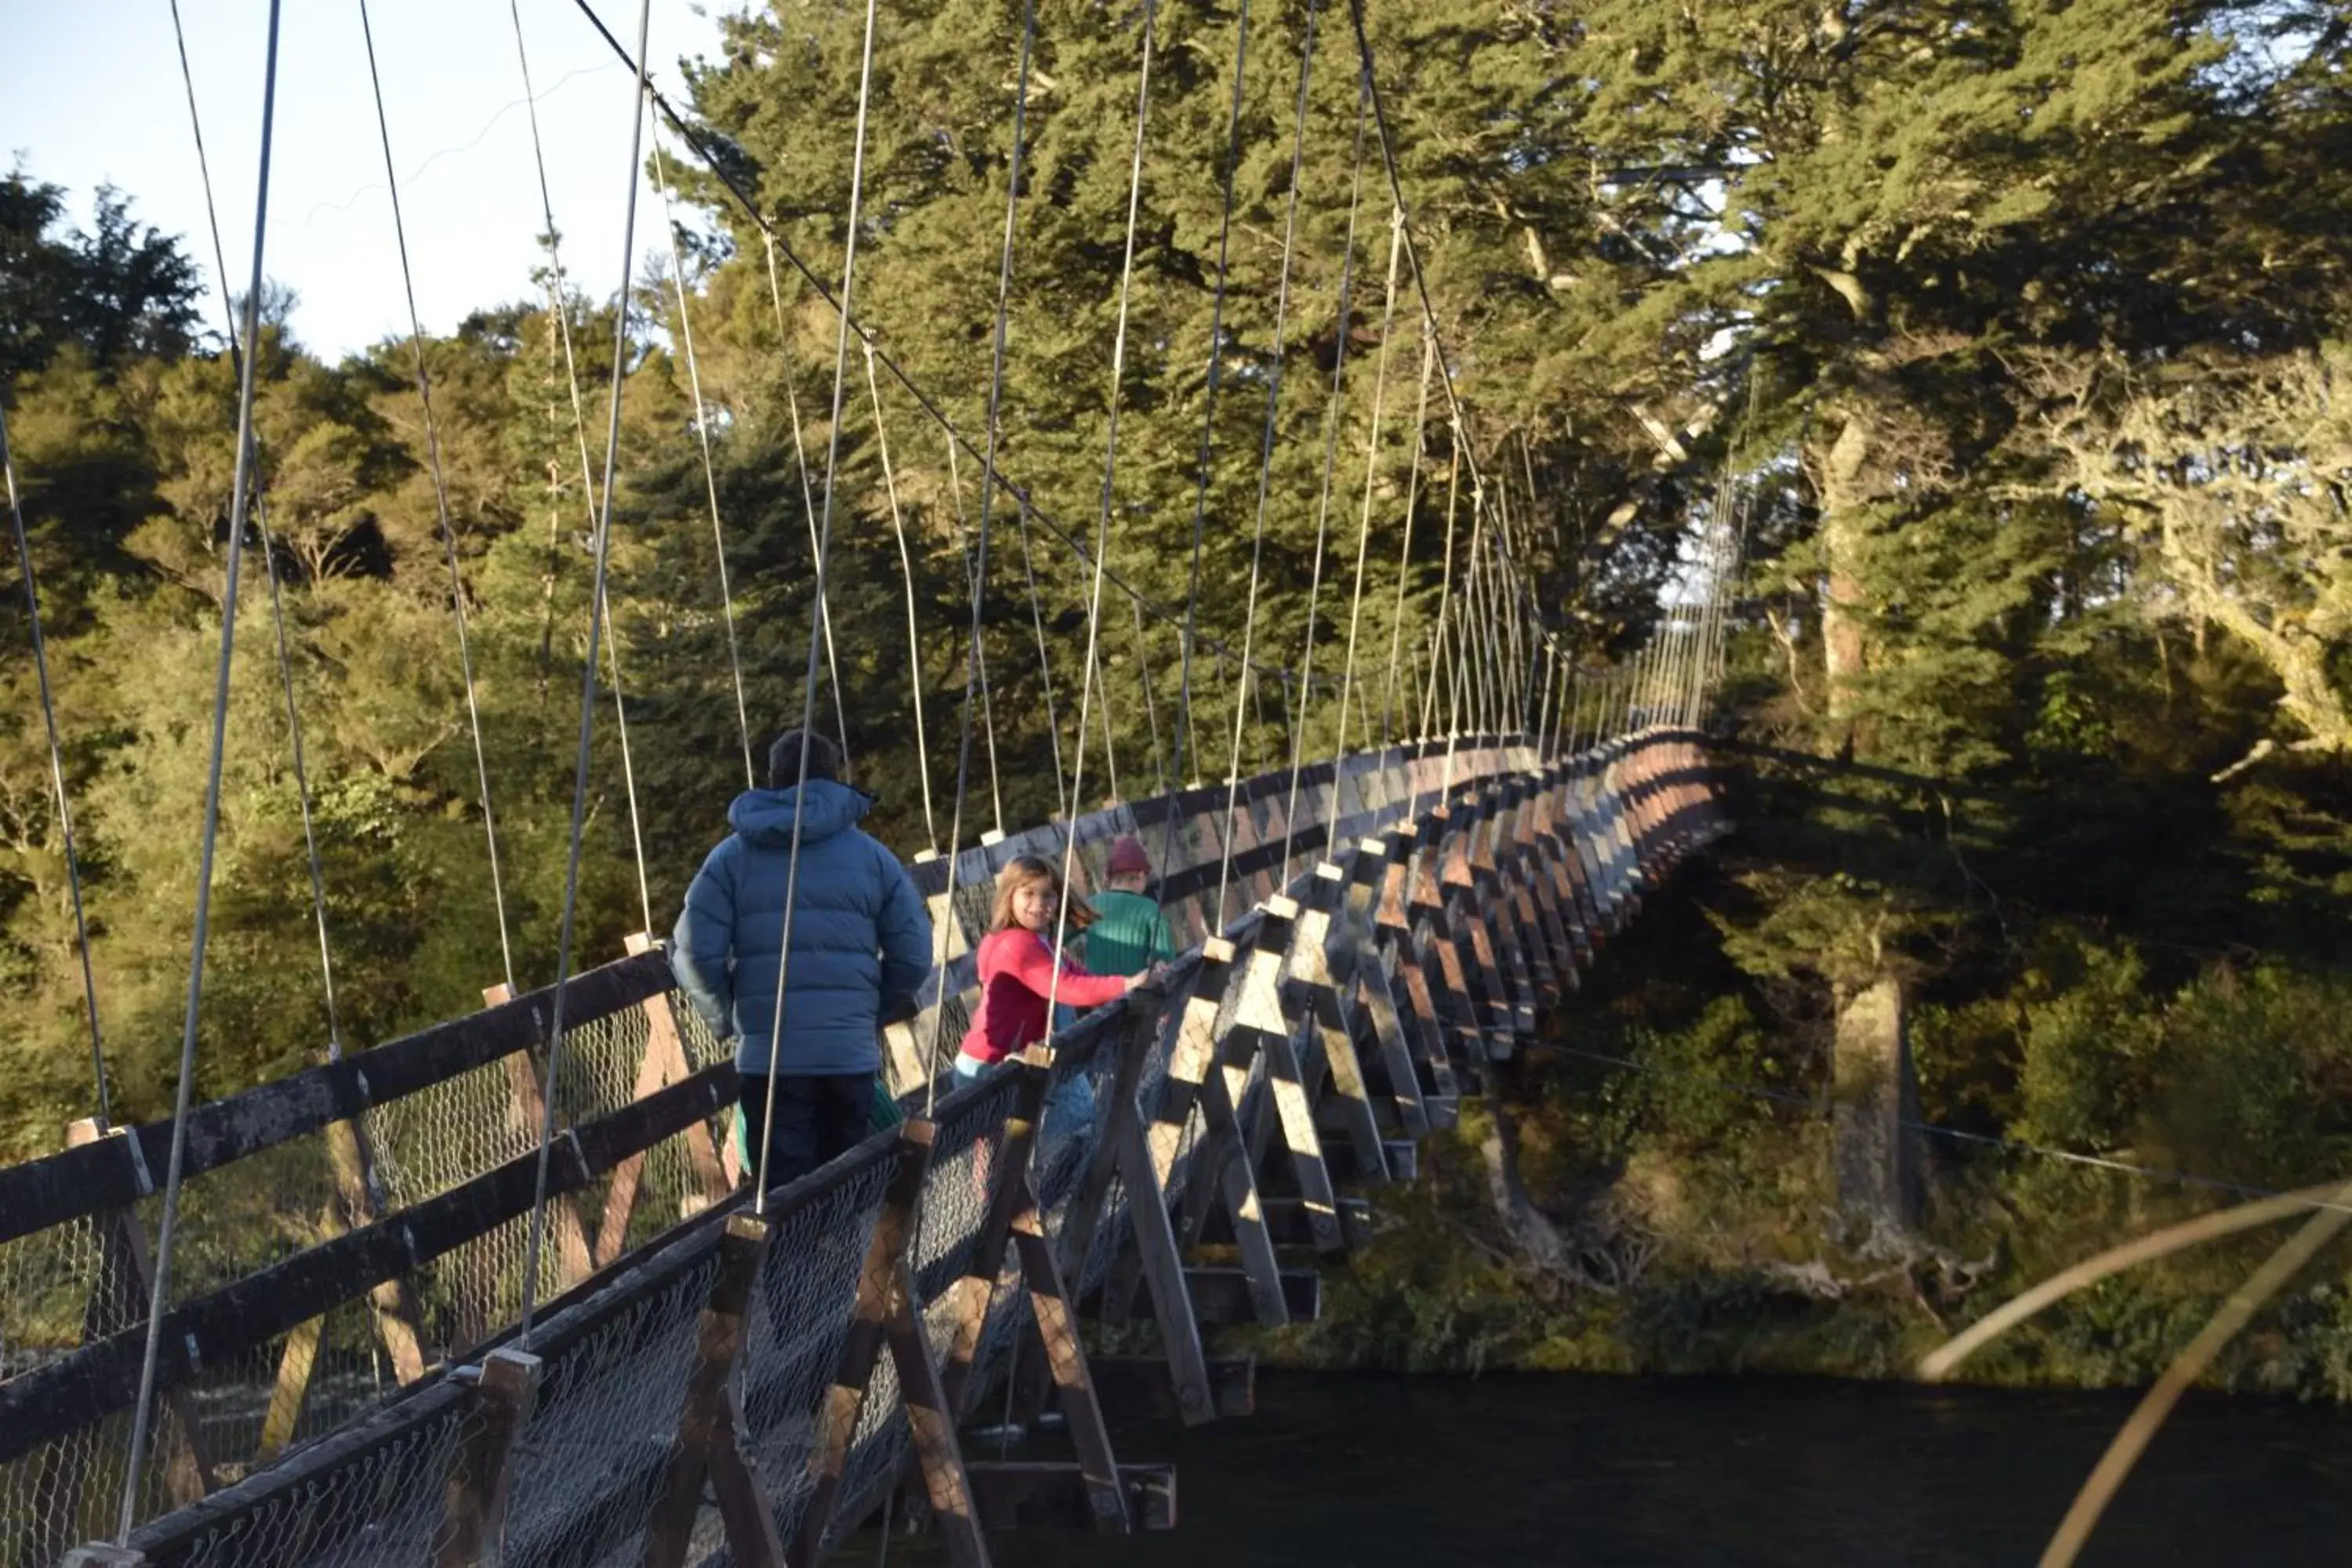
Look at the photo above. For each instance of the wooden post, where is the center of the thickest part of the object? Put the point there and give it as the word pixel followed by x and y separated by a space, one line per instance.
pixel 1415 959
pixel 663 1063
pixel 1363 962
pixel 474 1515
pixel 1330 1007
pixel 889 1312
pixel 1261 1021
pixel 118 1300
pixel 1211 1074
pixel 576 1261
pixel 392 1307
pixel 710 1425
pixel 971 1296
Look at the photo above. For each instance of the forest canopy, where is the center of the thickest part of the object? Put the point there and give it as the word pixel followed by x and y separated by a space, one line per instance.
pixel 2006 331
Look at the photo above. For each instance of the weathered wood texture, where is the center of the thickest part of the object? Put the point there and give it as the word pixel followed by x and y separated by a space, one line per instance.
pixel 1407 928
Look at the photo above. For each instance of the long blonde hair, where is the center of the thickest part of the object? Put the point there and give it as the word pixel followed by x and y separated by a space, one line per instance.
pixel 1027 871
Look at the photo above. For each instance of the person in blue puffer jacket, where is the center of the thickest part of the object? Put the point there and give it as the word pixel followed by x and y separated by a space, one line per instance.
pixel 860 945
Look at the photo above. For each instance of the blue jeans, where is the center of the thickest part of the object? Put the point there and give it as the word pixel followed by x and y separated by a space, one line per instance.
pixel 1069 1108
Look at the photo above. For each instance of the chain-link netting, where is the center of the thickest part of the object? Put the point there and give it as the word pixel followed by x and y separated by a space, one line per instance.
pixel 589 1464
pixel 590 1458
pixel 800 1313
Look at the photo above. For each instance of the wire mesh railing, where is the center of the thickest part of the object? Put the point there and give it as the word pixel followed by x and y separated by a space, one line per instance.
pixel 328 1392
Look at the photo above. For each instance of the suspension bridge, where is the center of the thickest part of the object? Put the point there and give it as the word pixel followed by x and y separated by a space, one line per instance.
pixel 534 1308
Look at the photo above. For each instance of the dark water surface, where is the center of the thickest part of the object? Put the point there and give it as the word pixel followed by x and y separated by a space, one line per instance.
pixel 1368 1471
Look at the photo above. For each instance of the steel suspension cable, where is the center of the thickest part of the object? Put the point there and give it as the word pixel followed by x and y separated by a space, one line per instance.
pixel 719 169
pixel 906 570
pixel 440 501
pixel 1185 740
pixel 167 1229
pixel 1404 547
pixel 974 666
pixel 1151 704
pixel 1109 495
pixel 819 615
pixel 808 493
pixel 702 438
pixel 1063 802
pixel 105 1097
pixel 269 563
pixel 536 1240
pixel 1335 416
pixel 1364 522
pixel 560 311
pixel 1265 455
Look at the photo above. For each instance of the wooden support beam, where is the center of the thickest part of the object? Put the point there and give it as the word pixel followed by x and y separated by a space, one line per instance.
pixel 1221 1297
pixel 1262 1022
pixel 879 1295
pixel 474 1511
pixel 938 1457
pixel 1330 1010
pixel 1287 1221
pixel 1141 1383
pixel 575 1261
pixel 1029 1495
pixel 111 1172
pixel 1361 962
pixel 116 1311
pixel 710 1423
pixel 970 1296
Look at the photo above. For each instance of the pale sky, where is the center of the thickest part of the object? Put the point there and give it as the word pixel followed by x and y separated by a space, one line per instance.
pixel 93 95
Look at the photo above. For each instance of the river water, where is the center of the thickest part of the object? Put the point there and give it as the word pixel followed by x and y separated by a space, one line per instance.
pixel 1360 1471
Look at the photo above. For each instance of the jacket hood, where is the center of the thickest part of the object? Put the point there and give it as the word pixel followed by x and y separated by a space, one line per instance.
pixel 825 807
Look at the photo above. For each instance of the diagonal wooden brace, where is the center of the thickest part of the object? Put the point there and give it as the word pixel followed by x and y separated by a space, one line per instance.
pixel 709 1429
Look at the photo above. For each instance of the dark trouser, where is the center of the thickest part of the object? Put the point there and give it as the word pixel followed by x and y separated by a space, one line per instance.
pixel 819 1116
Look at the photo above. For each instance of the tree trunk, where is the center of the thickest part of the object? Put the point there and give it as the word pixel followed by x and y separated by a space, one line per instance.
pixel 1842 499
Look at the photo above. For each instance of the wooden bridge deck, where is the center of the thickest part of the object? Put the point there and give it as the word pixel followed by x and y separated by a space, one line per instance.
pixel 343 1382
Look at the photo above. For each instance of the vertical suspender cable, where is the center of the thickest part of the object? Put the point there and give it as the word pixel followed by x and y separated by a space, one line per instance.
pixel 560 309
pixel 1364 522
pixel 1062 801
pixel 269 563
pixel 907 571
pixel 702 436
pixel 1334 416
pixel 1151 704
pixel 1405 548
pixel 800 460
pixel 603 543
pixel 441 503
pixel 167 1230
pixel 58 781
pixel 974 666
pixel 1109 490
pixel 1215 380
pixel 819 619
pixel 1266 454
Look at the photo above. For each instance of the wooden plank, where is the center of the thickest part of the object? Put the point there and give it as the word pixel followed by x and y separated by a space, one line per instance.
pixel 1032 1495
pixel 1287 1222
pixel 102 1377
pixel 107 1174
pixel 474 1515
pixel 1221 1297
pixel 1141 1384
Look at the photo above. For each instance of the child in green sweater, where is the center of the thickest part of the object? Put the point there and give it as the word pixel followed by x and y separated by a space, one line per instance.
pixel 1129 934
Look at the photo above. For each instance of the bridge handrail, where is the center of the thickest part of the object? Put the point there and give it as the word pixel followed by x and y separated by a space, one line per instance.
pixel 116 1172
